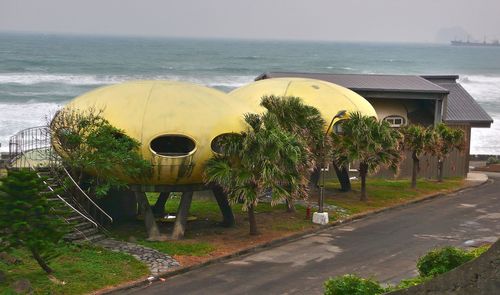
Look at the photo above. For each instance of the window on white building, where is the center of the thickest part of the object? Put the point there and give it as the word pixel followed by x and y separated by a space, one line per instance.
pixel 395 121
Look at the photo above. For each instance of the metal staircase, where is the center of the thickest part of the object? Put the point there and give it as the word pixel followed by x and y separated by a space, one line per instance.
pixel 32 149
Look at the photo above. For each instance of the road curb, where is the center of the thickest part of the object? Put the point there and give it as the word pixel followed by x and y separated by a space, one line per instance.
pixel 280 241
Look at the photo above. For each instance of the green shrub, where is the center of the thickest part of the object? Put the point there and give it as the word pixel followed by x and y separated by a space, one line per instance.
pixel 90 144
pixel 480 250
pixel 431 264
pixel 411 282
pixel 442 260
pixel 493 160
pixel 352 285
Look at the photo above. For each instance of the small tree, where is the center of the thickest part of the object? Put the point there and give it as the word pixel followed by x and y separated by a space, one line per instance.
pixel 263 160
pixel 100 156
pixel 374 144
pixel 304 121
pixel 88 143
pixel 448 139
pixel 28 219
pixel 417 140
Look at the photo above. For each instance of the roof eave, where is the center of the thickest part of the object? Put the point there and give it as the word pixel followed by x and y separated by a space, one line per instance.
pixel 443 92
pixel 473 124
pixel 440 77
pixel 271 75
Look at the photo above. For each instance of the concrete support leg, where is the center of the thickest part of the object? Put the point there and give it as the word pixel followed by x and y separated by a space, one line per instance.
pixel 147 213
pixel 225 208
pixel 182 215
pixel 159 207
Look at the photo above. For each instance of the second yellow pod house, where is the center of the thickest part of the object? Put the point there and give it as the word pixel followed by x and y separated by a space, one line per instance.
pixel 327 97
pixel 175 122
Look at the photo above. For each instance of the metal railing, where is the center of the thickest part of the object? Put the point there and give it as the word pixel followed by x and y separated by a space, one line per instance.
pixel 86 202
pixel 19 159
pixel 32 148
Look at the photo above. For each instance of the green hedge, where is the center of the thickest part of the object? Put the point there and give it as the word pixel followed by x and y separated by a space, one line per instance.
pixel 445 259
pixel 433 263
pixel 352 285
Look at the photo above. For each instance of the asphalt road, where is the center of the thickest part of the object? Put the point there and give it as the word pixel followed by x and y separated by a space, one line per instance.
pixel 384 246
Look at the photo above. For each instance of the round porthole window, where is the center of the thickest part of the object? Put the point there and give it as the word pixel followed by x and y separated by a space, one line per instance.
pixel 217 142
pixel 173 145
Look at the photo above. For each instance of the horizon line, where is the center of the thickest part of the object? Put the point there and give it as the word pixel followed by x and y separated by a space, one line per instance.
pixel 225 38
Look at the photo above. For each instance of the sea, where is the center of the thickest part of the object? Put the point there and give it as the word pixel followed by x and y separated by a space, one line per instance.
pixel 39 73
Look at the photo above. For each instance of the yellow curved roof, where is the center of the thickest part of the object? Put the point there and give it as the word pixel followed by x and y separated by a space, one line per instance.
pixel 327 97
pixel 147 109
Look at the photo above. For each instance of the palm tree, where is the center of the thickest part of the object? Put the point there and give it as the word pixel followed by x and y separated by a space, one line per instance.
pixel 418 140
pixel 447 140
pixel 266 159
pixel 374 144
pixel 296 117
pixel 304 121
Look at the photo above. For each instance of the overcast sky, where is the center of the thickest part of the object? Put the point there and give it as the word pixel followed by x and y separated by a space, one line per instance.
pixel 341 20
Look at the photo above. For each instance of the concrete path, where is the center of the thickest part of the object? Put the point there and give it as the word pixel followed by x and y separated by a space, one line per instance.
pixel 384 246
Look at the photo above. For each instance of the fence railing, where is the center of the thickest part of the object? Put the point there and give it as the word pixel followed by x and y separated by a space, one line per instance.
pixel 32 148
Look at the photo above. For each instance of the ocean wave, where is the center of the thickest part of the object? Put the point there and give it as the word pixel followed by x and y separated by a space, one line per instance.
pixel 400 61
pixel 70 79
pixel 486 91
pixel 39 78
pixel 482 79
pixel 220 81
pixel 482 88
pixel 249 57
pixel 16 117
pixel 45 94
pixel 485 140
pixel 21 115
pixel 341 68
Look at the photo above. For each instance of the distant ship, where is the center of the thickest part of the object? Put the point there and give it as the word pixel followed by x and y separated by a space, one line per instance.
pixel 494 43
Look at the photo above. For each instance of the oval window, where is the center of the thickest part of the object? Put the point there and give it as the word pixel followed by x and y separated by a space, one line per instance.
pixel 217 142
pixel 173 145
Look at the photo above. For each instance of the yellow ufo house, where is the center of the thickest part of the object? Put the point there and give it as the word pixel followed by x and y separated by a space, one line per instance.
pixel 176 123
pixel 327 97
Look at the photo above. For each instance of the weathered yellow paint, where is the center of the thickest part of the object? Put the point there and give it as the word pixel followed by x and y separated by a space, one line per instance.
pixel 327 97
pixel 147 109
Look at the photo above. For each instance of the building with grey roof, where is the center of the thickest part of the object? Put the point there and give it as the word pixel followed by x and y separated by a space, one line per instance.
pixel 414 99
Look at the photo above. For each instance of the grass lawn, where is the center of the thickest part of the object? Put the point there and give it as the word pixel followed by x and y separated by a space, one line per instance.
pixel 385 193
pixel 82 269
pixel 85 269
pixel 206 239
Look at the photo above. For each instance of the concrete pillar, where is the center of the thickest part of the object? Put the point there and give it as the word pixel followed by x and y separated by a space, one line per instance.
pixel 182 215
pixel 147 213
